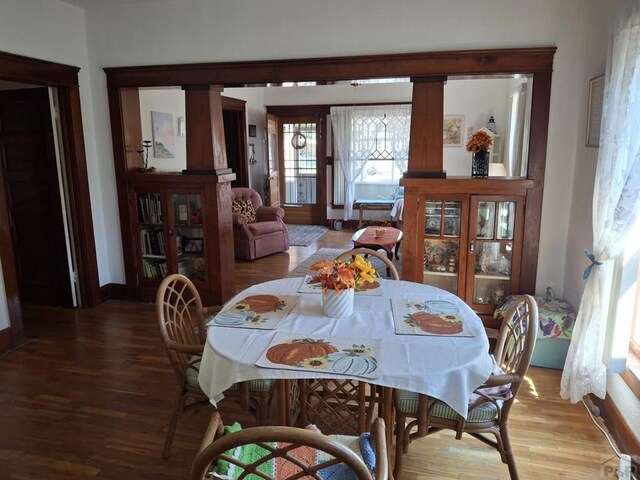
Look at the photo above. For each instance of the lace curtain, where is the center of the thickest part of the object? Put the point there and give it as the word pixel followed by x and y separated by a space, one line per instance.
pixel 362 133
pixel 616 207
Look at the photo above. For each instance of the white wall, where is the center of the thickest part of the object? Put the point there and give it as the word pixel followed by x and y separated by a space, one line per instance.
pixel 200 30
pixel 166 100
pixel 55 31
pixel 206 30
pixel 477 100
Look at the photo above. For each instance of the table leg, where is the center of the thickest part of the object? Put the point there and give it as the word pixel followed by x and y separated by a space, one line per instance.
pixel 387 414
pixel 282 400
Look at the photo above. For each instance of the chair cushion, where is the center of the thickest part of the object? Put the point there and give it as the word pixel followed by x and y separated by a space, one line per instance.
pixel 264 228
pixel 244 208
pixel 407 402
pixel 259 385
pixel 282 468
pixel 192 372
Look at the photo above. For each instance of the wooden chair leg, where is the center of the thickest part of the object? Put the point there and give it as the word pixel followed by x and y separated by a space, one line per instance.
pixel 507 453
pixel 173 423
pixel 401 448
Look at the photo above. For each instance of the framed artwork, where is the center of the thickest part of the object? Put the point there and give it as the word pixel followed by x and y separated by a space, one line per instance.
pixel 252 130
pixel 594 114
pixel 193 245
pixel 164 140
pixel 452 130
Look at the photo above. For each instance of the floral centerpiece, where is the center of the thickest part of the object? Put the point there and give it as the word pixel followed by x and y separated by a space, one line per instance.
pixel 341 275
pixel 339 280
pixel 479 143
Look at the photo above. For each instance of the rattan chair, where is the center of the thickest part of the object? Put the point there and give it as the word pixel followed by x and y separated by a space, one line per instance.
pixel 283 444
pixel 181 321
pixel 489 411
pixel 391 269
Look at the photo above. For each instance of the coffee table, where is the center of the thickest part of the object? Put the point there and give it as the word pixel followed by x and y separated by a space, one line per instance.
pixel 390 239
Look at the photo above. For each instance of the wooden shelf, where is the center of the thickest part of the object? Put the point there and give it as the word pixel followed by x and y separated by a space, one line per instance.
pixel 441 274
pixel 485 276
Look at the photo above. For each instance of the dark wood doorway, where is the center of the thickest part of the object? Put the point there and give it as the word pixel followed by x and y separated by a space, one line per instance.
pixel 235 139
pixel 29 172
pixel 302 160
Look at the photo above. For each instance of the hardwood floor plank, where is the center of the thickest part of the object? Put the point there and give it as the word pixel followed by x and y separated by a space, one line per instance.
pixel 90 398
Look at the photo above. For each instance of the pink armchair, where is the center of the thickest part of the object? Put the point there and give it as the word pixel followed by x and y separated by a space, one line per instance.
pixel 267 235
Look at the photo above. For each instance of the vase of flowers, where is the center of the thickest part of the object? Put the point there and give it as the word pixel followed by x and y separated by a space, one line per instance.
pixel 339 279
pixel 479 145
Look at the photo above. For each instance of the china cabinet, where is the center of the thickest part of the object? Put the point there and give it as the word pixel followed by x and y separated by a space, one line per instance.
pixel 469 244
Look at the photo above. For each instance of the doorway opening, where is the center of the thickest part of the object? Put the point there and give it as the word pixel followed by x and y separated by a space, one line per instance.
pixel 31 168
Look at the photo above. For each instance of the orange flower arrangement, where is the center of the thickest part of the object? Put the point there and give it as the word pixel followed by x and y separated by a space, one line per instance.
pixel 342 275
pixel 479 141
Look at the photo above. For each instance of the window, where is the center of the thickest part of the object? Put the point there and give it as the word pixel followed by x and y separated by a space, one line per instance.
pixel 377 146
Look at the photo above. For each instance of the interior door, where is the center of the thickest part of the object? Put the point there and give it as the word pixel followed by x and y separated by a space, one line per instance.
pixel 30 177
pixel 234 120
pixel 302 170
pixel 273 180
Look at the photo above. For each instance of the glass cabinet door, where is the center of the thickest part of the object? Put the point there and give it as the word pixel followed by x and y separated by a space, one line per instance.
pixel 442 228
pixel 151 235
pixel 189 235
pixel 492 247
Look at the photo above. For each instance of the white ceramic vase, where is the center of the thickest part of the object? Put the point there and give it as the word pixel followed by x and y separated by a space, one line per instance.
pixel 337 305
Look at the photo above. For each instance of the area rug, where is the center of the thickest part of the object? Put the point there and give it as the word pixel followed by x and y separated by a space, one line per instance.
pixel 331 253
pixel 305 235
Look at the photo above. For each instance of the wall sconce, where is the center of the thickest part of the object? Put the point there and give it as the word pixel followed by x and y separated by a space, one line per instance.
pixel 252 154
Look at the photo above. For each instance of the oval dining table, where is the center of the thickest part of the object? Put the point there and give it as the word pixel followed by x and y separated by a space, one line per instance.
pixel 449 368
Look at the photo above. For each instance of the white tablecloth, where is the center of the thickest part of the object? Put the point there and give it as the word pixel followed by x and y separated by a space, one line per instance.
pixel 448 368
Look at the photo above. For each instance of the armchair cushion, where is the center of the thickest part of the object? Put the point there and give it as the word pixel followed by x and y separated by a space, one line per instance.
pixel 407 402
pixel 263 228
pixel 265 214
pixel 244 208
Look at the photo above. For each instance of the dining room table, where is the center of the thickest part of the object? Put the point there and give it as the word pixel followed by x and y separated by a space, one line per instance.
pixel 444 365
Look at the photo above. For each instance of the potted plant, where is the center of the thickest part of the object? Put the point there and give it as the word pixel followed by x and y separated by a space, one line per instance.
pixel 339 279
pixel 479 144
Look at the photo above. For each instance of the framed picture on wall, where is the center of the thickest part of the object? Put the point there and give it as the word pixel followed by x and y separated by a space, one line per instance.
pixel 164 139
pixel 452 130
pixel 594 114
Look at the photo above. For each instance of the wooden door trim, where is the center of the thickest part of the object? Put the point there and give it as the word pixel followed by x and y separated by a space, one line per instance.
pixel 18 68
pixel 422 64
pixel 321 154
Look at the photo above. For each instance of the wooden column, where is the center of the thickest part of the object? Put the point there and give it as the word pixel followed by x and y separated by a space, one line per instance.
pixel 206 155
pixel 427 110
pixel 206 151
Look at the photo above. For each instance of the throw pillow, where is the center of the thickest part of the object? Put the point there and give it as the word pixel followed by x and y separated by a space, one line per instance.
pixel 244 208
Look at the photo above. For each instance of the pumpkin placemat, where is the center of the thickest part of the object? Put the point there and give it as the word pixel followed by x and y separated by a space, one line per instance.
pixel 428 317
pixel 354 357
pixel 256 311
pixel 308 286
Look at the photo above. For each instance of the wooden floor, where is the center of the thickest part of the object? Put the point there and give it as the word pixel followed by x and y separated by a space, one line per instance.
pixel 90 397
